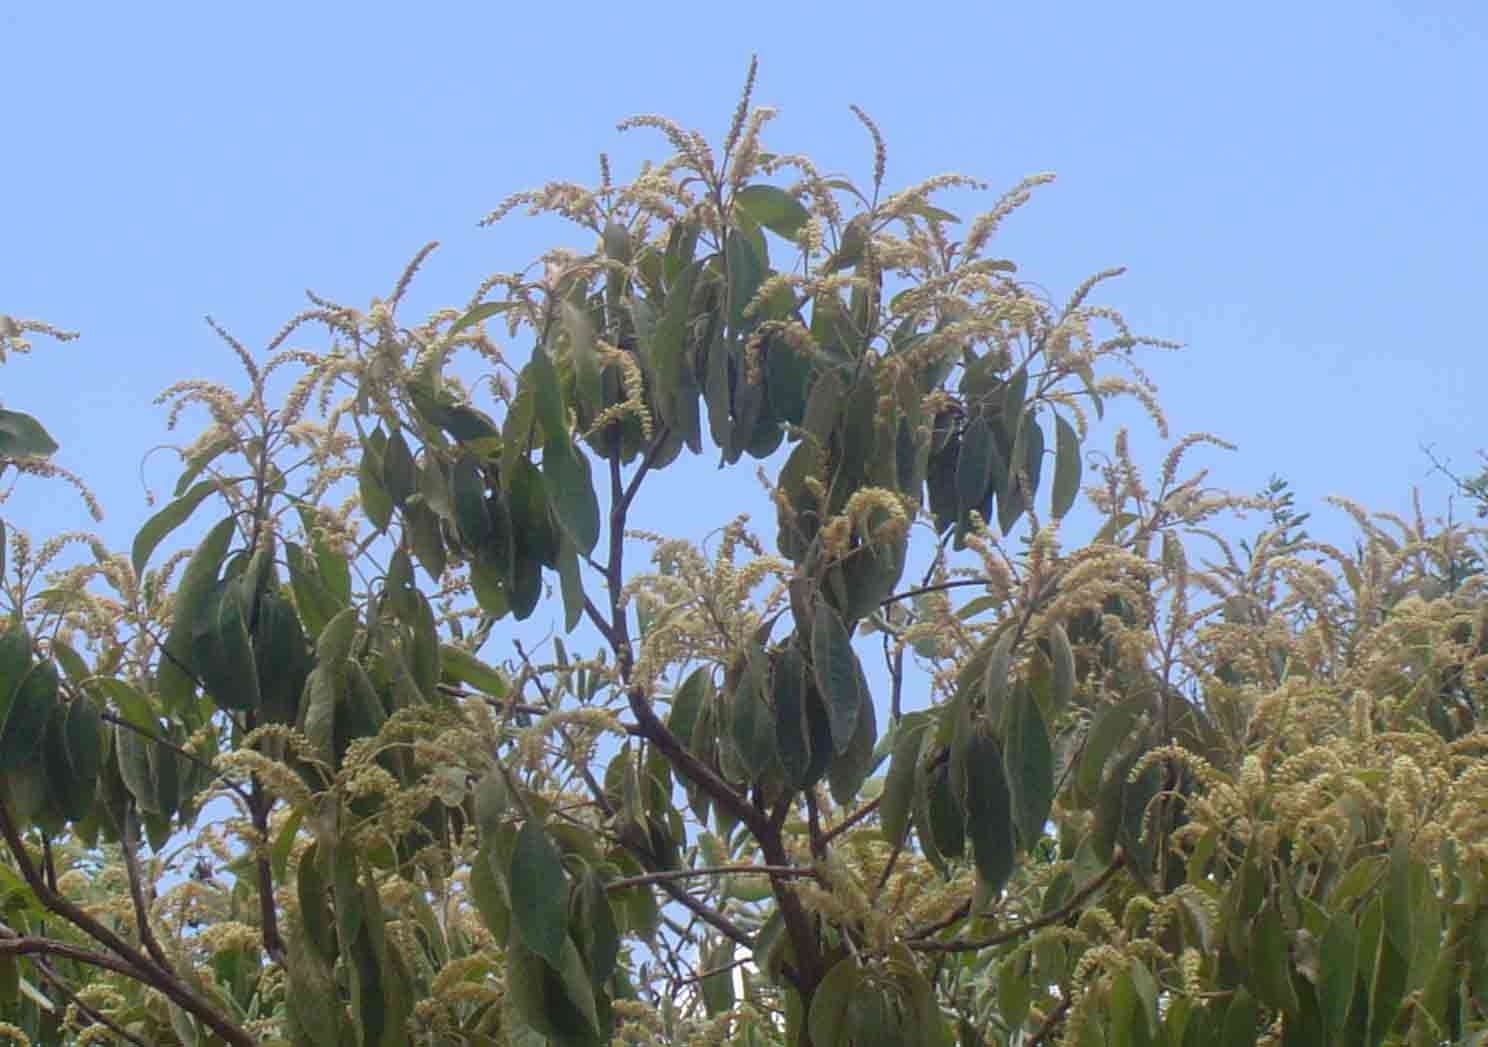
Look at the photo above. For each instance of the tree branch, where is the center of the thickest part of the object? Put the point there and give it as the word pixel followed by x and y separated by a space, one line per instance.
pixel 130 961
pixel 709 870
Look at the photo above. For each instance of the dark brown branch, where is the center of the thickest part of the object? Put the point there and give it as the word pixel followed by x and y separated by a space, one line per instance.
pixel 920 590
pixel 97 1017
pixel 851 820
pixel 33 946
pixel 128 960
pixel 129 845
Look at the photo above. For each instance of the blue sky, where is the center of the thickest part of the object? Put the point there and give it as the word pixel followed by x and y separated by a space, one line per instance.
pixel 1296 190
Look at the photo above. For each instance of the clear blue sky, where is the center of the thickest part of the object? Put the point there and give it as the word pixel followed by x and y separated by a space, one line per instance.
pixel 1296 188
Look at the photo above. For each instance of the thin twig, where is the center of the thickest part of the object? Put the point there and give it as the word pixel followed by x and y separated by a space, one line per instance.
pixel 709 870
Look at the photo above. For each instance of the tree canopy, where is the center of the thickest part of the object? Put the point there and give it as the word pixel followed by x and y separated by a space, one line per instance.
pixel 990 736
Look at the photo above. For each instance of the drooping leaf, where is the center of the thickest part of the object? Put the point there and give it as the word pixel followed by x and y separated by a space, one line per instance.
pixel 792 731
pixel 827 1021
pixel 399 470
pixel 1112 726
pixel 30 708
pixel 1029 760
pixel 164 522
pixel 899 785
pixel 1067 466
pixel 571 492
pixel 547 396
pixel 989 816
pixel 539 890
pixel 834 666
pixel 377 503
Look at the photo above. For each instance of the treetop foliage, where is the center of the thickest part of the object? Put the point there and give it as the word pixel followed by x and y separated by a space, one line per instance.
pixel 916 765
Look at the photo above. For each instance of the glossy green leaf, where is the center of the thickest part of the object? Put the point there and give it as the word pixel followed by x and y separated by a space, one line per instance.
pixel 585 360
pixel 222 653
pixel 834 666
pixel 476 314
pixel 539 891
pixel 792 729
pixel 1241 1021
pixel 773 208
pixel 399 470
pixel 548 397
pixel 571 493
pixel 989 815
pixel 26 720
pixel 1029 761
pixel 377 503
pixel 22 436
pixel 1112 726
pixel 164 522
pixel 1062 657
pixel 974 466
pixel 848 770
pixel 1067 466
pixel 898 793
pixel 827 1020
pixel 462 667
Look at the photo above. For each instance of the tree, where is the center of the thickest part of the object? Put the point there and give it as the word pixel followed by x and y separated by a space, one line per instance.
pixel 929 772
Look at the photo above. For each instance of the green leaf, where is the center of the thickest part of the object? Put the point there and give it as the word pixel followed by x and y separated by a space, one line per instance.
pixel 752 722
pixel 22 436
pixel 834 666
pixel 1029 759
pixel 319 711
pixel 989 816
pixel 26 720
pixel 571 493
pixel 164 522
pixel 548 401
pixel 1112 726
pixel 974 467
pixel 899 785
pixel 585 359
pixel 773 208
pixel 670 365
pixel 827 1021
pixel 461 666
pixel 1067 466
pixel 792 731
pixel 848 770
pixel 1240 1021
pixel 1062 657
pixel 476 314
pixel 377 503
pixel 15 662
pixel 539 891
pixel 222 654
pixel 194 595
pixel 399 470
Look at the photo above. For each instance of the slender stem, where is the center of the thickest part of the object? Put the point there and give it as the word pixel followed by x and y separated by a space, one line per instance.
pixel 268 917
pixel 851 820
pixel 129 845
pixel 130 961
pixel 709 870
pixel 920 590
pixel 97 1017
